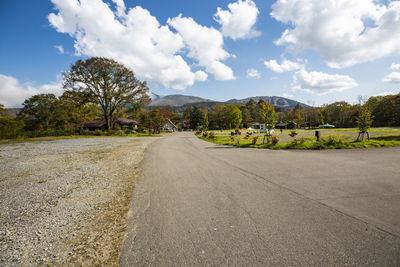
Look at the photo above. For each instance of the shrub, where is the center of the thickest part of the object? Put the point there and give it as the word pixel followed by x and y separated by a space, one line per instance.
pixel 211 135
pixel 254 141
pixel 331 141
pixel 127 131
pixel 11 128
pixel 275 140
pixel 86 132
pixel 205 134
pixel 297 142
pixel 198 132
pixel 98 133
pixel 293 133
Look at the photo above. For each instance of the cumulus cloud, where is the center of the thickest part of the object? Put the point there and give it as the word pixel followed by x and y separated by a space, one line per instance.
pixel 60 48
pixel 220 71
pixel 13 93
pixel 238 22
pixel 345 32
pixel 319 83
pixel 253 73
pixel 395 66
pixel 136 39
pixel 393 77
pixel 201 76
pixel 286 65
pixel 205 45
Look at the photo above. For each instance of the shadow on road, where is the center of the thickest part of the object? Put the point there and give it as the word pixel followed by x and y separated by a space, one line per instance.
pixel 222 147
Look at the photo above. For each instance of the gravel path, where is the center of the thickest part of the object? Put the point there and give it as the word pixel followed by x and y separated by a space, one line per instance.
pixel 65 201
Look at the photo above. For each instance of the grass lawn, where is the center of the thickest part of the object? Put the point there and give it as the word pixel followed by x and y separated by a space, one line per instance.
pixel 330 139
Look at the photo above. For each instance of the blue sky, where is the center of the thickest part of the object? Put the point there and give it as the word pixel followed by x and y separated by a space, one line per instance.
pixel 309 50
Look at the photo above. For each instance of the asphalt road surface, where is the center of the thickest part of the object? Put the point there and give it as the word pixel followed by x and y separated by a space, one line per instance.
pixel 199 204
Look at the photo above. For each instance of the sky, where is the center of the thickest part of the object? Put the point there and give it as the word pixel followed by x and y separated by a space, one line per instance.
pixel 316 52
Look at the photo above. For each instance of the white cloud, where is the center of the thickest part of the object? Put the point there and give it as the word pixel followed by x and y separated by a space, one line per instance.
pixel 395 66
pixel 13 93
pixel 59 48
pixel 286 65
pixel 201 76
pixel 136 39
pixel 319 83
pixel 253 73
pixel 205 45
pixel 345 32
pixel 393 77
pixel 220 71
pixel 239 20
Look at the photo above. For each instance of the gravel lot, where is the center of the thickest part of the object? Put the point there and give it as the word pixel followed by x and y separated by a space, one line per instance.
pixel 65 201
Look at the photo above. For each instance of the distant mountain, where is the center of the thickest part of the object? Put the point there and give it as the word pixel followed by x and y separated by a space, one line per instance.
pixel 154 97
pixel 274 100
pixel 176 101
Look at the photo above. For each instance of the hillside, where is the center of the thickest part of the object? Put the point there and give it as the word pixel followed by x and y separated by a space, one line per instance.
pixel 175 100
pixel 274 100
pixel 180 101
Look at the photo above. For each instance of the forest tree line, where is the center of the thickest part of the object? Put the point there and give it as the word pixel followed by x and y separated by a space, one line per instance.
pixel 385 111
pixel 101 88
pixel 48 115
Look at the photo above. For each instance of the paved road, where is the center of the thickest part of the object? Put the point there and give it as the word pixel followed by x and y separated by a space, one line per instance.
pixel 203 204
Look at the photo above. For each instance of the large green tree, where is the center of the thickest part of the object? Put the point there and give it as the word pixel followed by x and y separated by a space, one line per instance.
pixel 233 116
pixel 216 117
pixel 107 83
pixel 386 111
pixel 267 116
pixel 246 116
pixel 42 112
pixel 253 108
pixel 151 119
pixel 3 111
pixel 196 118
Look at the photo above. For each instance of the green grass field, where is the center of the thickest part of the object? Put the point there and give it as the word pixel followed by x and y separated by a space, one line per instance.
pixel 305 139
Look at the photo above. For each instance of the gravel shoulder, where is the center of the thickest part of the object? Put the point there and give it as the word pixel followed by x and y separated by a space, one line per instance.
pixel 65 202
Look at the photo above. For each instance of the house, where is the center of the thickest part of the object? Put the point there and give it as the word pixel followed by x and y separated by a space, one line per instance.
pixel 100 124
pixel 93 125
pixel 281 125
pixel 169 126
pixel 311 124
pixel 127 123
pixel 284 125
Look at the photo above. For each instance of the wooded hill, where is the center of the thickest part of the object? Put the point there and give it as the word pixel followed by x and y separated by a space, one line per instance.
pixel 180 102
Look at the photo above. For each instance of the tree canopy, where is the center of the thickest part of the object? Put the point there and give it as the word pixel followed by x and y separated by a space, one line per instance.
pixel 267 115
pixel 107 83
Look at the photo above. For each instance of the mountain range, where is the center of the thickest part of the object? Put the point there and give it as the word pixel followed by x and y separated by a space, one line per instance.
pixel 176 101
